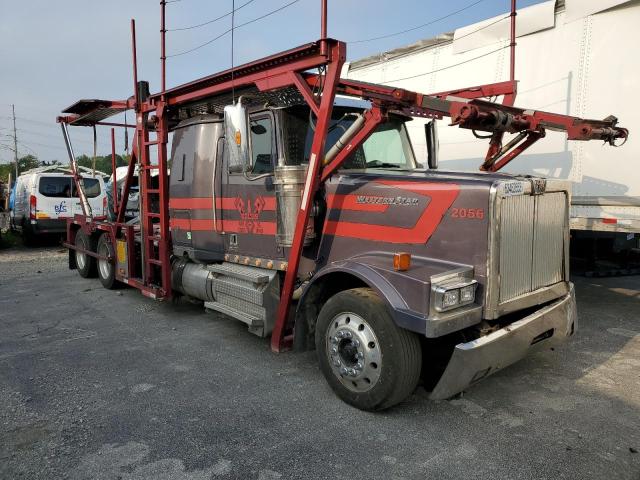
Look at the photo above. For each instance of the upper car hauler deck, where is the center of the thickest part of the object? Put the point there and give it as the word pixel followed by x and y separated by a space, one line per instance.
pixel 276 194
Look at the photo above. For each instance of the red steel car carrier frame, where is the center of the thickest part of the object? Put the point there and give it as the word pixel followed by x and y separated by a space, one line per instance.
pixel 285 70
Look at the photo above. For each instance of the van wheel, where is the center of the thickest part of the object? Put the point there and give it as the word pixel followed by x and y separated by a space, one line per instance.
pixel 85 264
pixel 28 238
pixel 106 269
pixel 367 360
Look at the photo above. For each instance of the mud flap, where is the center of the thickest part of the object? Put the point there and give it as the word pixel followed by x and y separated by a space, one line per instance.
pixel 475 360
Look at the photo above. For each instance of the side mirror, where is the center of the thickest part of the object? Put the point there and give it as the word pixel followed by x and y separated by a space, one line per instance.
pixel 237 136
pixel 431 134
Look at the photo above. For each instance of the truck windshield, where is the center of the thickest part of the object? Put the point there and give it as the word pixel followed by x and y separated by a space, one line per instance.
pixel 388 146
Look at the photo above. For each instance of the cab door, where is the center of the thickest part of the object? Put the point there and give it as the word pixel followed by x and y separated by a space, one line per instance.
pixel 249 202
pixel 195 189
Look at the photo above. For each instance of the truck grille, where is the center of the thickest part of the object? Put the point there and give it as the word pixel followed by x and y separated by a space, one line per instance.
pixel 532 236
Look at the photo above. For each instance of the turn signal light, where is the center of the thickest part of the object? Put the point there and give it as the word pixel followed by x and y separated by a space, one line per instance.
pixel 401 261
pixel 238 137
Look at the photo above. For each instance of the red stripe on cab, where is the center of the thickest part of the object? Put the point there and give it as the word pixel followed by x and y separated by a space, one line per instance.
pixel 224 203
pixel 442 196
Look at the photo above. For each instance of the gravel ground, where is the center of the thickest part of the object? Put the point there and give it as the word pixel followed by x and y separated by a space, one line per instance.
pixel 98 384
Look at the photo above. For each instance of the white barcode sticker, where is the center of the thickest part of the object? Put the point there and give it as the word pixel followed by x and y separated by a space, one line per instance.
pixel 512 188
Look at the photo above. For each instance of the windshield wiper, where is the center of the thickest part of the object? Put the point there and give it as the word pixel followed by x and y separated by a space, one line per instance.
pixel 379 164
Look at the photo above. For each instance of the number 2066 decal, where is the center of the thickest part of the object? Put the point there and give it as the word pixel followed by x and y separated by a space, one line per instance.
pixel 467 213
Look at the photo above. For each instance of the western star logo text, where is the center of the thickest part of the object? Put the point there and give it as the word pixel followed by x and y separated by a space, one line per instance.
pixel 372 199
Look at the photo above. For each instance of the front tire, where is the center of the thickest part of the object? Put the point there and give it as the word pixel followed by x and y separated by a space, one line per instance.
pixel 367 360
pixel 106 269
pixel 85 264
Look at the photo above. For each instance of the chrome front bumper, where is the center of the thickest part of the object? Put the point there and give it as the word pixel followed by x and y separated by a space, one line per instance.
pixel 475 360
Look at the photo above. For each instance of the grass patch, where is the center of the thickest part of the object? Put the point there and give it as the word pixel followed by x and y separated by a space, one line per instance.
pixel 10 239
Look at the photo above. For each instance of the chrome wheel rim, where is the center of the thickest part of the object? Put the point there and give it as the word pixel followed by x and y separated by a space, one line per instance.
pixel 353 352
pixel 81 258
pixel 104 266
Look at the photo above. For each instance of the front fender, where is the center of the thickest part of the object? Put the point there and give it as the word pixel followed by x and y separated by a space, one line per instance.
pixel 407 293
pixel 371 275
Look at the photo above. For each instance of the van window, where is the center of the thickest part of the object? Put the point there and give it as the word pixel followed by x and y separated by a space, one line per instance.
pixel 61 187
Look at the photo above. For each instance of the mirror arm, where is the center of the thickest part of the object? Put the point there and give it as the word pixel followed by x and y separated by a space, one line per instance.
pixel 257 177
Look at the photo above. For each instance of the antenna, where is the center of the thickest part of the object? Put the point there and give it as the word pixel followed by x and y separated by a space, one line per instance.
pixel 512 66
pixel 163 53
pixel 323 27
pixel 233 18
pixel 135 64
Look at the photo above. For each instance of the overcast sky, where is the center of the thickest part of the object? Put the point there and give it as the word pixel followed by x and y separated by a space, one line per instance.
pixel 54 53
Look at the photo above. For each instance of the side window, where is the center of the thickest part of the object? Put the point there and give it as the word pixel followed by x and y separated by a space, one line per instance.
pixel 263 150
pixel 181 162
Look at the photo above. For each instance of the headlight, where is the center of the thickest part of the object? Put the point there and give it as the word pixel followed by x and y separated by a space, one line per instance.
pixel 468 293
pixel 450 298
pixel 454 294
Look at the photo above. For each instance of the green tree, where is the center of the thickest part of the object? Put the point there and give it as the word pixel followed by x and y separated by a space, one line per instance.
pixel 28 162
pixel 5 170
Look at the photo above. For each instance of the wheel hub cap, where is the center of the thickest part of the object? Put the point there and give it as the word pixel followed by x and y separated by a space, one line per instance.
pixel 81 258
pixel 353 351
pixel 104 267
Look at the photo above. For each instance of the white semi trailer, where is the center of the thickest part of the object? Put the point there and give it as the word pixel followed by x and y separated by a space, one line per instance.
pixel 575 57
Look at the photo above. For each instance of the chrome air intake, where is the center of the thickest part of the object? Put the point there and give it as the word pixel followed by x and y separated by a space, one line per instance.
pixel 289 181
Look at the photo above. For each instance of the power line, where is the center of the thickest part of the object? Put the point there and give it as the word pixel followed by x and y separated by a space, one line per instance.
pixel 28 120
pixel 238 26
pixel 28 148
pixel 210 21
pixel 442 42
pixel 39 123
pixel 45 145
pixel 448 66
pixel 58 137
pixel 419 26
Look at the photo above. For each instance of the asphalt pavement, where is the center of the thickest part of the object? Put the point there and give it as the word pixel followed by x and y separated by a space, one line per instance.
pixel 98 384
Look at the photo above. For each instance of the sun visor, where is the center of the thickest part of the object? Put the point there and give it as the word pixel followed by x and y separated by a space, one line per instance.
pixel 577 9
pixel 494 30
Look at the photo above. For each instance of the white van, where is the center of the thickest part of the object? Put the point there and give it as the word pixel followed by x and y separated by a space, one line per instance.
pixel 45 197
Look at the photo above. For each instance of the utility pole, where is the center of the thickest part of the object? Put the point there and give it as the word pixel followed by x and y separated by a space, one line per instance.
pixel 15 139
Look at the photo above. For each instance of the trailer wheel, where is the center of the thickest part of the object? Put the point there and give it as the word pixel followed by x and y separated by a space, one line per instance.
pixel 85 264
pixel 367 360
pixel 106 269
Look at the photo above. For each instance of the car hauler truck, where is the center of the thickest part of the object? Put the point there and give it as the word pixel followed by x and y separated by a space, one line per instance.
pixel 313 222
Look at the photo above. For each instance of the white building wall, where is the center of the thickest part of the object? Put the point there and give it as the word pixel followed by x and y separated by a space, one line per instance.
pixel 586 67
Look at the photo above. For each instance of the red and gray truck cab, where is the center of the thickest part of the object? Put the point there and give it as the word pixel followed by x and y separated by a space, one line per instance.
pixel 471 268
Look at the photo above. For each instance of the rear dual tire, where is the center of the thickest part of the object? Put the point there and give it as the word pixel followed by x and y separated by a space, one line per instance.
pixel 367 360
pixel 106 269
pixel 85 264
